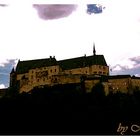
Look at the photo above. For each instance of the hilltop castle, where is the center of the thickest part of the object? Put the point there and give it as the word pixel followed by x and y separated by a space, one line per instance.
pixel 35 73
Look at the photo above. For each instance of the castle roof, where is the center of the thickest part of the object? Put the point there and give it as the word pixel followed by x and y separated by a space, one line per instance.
pixel 24 66
pixel 119 76
pixel 84 61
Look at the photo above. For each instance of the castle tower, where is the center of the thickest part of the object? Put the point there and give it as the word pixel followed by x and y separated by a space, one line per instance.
pixel 12 77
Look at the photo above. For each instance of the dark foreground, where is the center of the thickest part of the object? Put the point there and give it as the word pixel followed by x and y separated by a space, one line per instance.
pixel 70 113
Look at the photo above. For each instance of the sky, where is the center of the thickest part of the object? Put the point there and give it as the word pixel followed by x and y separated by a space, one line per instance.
pixel 32 30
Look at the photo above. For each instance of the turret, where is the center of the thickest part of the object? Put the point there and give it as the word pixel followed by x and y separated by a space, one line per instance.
pixel 12 71
pixel 12 77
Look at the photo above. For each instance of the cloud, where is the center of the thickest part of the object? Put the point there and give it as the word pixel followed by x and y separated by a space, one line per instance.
pixel 2 86
pixel 95 8
pixel 54 11
pixel 5 69
pixel 125 69
pixel 136 61
pixel 8 63
pixel 118 67
pixel 3 5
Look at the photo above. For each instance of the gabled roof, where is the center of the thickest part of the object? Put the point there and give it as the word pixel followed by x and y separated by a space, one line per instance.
pixel 24 66
pixel 119 76
pixel 84 61
pixel 79 62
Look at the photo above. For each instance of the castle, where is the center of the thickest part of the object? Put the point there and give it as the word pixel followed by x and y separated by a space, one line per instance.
pixel 38 73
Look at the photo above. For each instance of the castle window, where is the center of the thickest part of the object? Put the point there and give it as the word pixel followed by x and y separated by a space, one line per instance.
pixel 37 80
pixel 23 77
pixel 51 71
pixel 103 67
pixel 43 79
pixel 55 80
pixel 100 72
pixel 31 76
pixel 103 72
pixel 99 67
pixel 55 70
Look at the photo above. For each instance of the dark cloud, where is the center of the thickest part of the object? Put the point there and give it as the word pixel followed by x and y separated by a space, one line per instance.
pixel 95 8
pixel 5 72
pixel 136 60
pixel 3 5
pixel 54 11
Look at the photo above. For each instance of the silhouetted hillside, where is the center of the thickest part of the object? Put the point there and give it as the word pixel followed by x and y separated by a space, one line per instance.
pixel 61 110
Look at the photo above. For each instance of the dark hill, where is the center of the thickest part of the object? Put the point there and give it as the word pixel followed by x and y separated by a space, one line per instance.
pixel 67 110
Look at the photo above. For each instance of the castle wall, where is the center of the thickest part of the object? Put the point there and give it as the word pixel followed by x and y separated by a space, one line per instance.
pixel 94 69
pixel 36 77
pixel 84 70
pixel 98 69
pixel 106 88
pixel 136 83
pixel 42 75
pixel 55 79
pixel 55 75
pixel 65 79
pixel 89 84
pixel 119 85
pixel 114 85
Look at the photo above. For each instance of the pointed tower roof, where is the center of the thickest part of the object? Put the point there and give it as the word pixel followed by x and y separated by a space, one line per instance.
pixel 94 51
pixel 12 71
